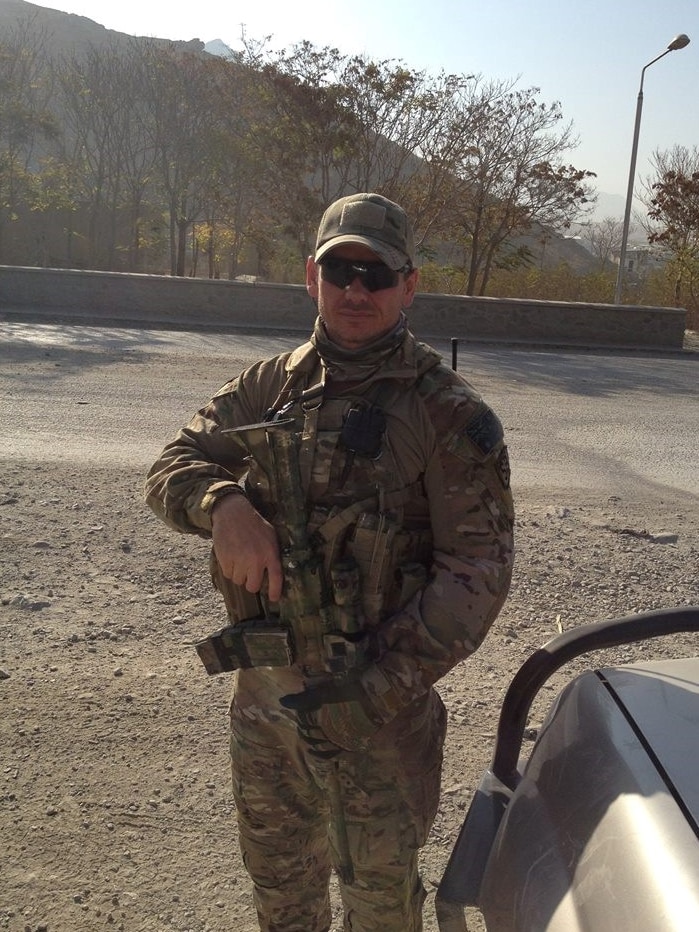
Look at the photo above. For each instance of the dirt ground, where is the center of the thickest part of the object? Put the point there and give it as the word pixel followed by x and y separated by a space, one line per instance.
pixel 115 801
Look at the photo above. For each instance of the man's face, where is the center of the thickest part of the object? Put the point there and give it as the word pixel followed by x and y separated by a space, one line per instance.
pixel 355 316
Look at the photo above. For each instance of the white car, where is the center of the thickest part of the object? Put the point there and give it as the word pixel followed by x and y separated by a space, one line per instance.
pixel 599 830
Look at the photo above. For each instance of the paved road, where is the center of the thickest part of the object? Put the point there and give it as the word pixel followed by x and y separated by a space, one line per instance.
pixel 622 424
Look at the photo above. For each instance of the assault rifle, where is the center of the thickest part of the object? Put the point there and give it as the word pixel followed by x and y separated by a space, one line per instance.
pixel 275 641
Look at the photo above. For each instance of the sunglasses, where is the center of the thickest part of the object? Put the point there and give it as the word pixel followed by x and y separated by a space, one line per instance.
pixel 374 276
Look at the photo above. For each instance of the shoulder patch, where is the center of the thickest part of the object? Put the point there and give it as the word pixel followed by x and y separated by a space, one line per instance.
pixel 502 467
pixel 485 431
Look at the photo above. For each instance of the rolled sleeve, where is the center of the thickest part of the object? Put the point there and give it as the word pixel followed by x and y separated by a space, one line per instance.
pixel 202 464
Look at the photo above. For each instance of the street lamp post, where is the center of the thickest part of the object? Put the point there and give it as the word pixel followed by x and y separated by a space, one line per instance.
pixel 679 42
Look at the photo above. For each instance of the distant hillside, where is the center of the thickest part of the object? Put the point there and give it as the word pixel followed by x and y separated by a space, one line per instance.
pixel 609 205
pixel 218 47
pixel 68 33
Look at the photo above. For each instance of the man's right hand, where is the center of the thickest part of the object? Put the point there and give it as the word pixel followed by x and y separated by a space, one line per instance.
pixel 246 546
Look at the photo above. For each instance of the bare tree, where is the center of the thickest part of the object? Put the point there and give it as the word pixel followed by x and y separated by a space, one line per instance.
pixel 672 201
pixel 509 177
pixel 330 124
pixel 185 118
pixel 603 239
pixel 107 157
pixel 677 162
pixel 232 193
pixel 302 137
pixel 25 118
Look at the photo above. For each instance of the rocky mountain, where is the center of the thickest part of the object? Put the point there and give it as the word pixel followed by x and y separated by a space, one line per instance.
pixel 68 33
pixel 219 47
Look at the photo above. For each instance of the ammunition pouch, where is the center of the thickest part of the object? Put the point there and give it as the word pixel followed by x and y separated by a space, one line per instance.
pixel 390 563
pixel 252 639
pixel 344 653
pixel 259 643
pixel 326 618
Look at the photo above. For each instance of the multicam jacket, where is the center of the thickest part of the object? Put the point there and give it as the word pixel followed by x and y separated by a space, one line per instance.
pixel 395 450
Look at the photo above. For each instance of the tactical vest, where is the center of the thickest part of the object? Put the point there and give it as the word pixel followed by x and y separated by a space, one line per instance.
pixel 355 535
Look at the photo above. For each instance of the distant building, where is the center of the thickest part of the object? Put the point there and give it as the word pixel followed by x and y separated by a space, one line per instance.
pixel 642 259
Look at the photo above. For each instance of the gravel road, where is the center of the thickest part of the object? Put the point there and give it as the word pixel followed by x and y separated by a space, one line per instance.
pixel 115 805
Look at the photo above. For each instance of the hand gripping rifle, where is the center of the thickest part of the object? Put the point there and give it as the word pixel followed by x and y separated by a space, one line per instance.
pixel 264 635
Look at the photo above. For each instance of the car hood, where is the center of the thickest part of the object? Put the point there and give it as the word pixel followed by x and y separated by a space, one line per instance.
pixel 652 695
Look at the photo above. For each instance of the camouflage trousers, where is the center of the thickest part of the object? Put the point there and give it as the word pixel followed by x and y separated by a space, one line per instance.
pixel 292 836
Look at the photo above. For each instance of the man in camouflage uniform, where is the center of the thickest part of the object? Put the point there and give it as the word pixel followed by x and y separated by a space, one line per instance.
pixel 394 573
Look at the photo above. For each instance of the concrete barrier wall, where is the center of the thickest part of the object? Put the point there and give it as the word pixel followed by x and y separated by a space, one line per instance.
pixel 160 301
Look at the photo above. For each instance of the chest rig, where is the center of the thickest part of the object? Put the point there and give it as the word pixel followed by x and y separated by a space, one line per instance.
pixel 354 529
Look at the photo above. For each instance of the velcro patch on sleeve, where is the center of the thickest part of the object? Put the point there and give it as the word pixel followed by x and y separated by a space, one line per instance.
pixel 485 431
pixel 503 469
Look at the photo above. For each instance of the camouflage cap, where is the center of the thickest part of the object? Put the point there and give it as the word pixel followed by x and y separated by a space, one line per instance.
pixel 370 220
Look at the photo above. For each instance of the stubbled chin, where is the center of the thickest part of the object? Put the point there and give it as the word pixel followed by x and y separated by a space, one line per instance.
pixel 354 337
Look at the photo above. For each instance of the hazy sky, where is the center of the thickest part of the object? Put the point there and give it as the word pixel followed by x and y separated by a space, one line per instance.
pixel 586 54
